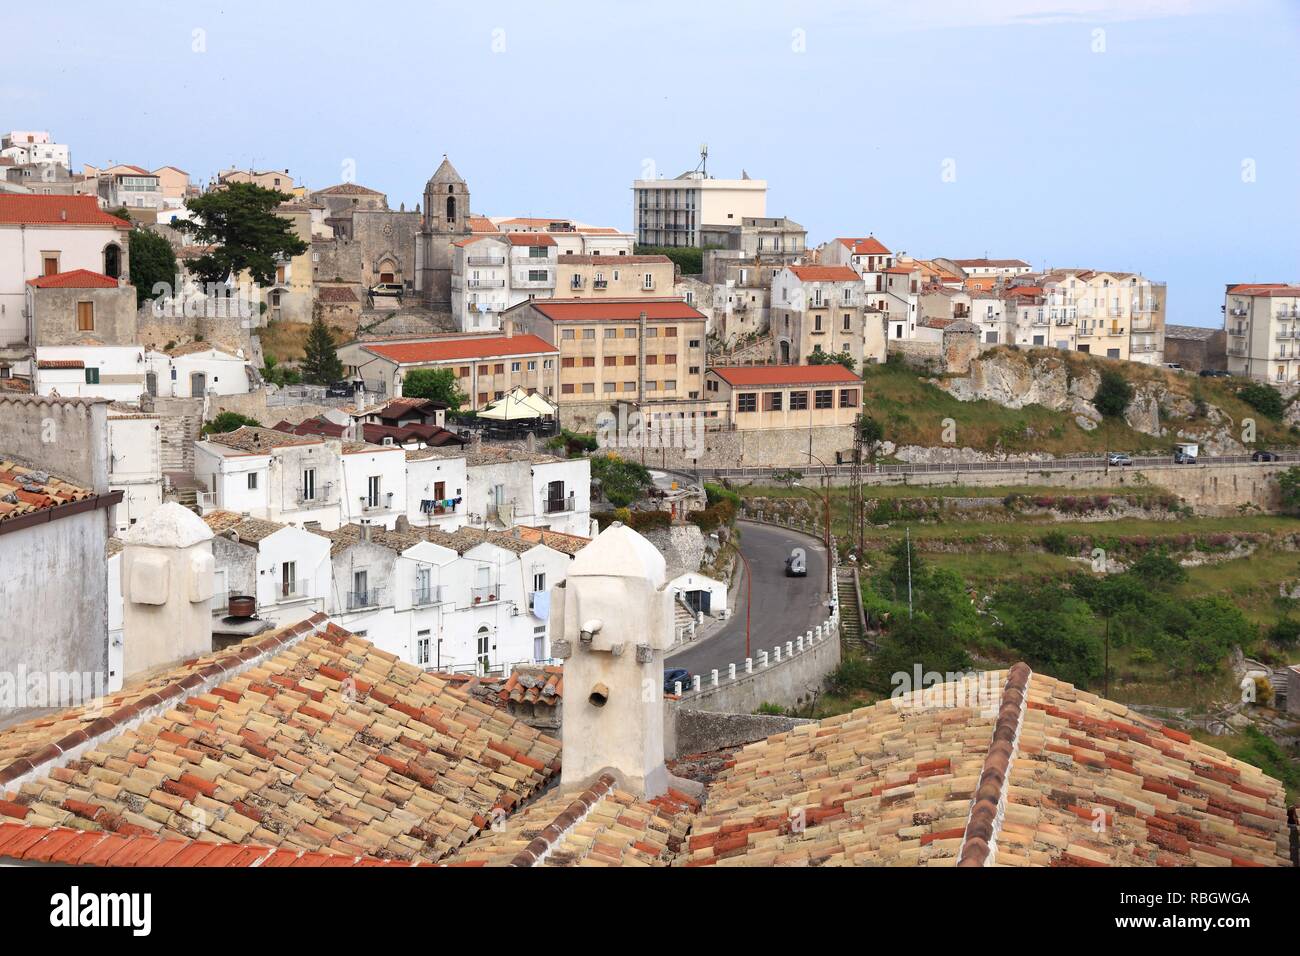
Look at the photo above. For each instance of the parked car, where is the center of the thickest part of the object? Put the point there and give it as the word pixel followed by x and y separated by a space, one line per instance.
pixel 1185 453
pixel 387 288
pixel 796 566
pixel 1118 459
pixel 674 676
pixel 1262 455
pixel 340 390
pixel 1215 373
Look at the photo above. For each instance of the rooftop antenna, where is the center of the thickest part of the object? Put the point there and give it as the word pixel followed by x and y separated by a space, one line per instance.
pixel 703 167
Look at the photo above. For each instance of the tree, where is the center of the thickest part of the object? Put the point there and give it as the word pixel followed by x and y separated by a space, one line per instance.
pixel 1156 568
pixel 240 222
pixel 436 384
pixel 1113 394
pixel 277 374
pixel 320 363
pixel 228 422
pixel 621 481
pixel 1289 481
pixel 153 262
pixel 1052 629
pixel 872 434
pixel 833 358
pixel 1264 398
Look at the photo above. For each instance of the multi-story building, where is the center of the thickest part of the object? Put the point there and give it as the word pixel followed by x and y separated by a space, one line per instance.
pixel 636 350
pixel 866 255
pixel 135 463
pixel 44 237
pixel 269 179
pixel 738 274
pixel 985 272
pixel 25 147
pixel 1262 320
pixel 480 282
pixel 487 367
pixel 129 187
pixel 676 212
pixel 824 309
pixel 1117 315
pixel 572 238
pixel 763 397
pixel 614 277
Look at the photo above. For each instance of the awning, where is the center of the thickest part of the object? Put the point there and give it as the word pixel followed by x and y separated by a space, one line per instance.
pixel 518 405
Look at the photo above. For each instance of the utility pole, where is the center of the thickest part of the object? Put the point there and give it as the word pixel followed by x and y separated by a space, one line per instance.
pixel 909 573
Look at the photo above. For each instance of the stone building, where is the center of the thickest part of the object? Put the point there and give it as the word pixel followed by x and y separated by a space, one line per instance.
pixel 1196 347
pixel 446 220
pixel 371 243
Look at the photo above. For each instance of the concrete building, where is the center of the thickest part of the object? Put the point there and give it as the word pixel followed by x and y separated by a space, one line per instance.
pixel 194 370
pixel 988 269
pixel 738 275
pixel 56 516
pixel 129 187
pixel 1261 321
pixel 32 146
pixel 676 212
pixel 175 185
pixel 614 277
pixel 763 397
pixel 1196 348
pixel 480 282
pixel 1116 315
pixel 642 350
pixel 487 367
pixel 823 309
pixel 45 236
pixel 135 464
pixel 278 179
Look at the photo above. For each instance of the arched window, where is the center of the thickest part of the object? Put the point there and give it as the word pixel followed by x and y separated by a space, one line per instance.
pixel 451 208
pixel 113 261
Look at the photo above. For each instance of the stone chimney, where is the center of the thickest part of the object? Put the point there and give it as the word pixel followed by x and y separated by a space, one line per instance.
pixel 611 621
pixel 510 328
pixel 167 576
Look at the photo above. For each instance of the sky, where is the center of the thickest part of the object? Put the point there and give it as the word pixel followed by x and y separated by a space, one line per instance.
pixel 1153 136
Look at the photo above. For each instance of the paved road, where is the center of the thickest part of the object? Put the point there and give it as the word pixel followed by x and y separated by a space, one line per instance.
pixel 1055 464
pixel 782 607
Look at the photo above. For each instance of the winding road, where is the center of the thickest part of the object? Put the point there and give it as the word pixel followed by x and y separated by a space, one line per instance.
pixel 781 608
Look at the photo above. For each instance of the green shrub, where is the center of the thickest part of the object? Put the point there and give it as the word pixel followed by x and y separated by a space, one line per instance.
pixel 1264 398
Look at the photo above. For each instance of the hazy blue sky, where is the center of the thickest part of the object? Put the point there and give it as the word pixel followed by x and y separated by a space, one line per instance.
pixel 1119 149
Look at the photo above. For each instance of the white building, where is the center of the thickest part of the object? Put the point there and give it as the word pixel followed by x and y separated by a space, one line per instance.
pixel 436 488
pixel 31 146
pixel 480 282
pixel 674 212
pixel 45 236
pixel 194 370
pixel 115 372
pixel 135 464
pixel 374 483
pixel 1262 320
pixel 286 569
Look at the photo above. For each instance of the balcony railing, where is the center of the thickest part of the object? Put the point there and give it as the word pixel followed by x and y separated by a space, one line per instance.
pixel 577 282
pixel 422 597
pixel 487 592
pixel 487 283
pixel 486 260
pixel 1238 350
pixel 363 599
pixel 600 283
pixel 556 505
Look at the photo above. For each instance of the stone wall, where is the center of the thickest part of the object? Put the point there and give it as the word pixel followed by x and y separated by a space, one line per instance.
pixel 915 352
pixel 681 545
pixel 254 405
pixel 228 333
pixel 56 316
pixel 742 448
pixel 67 437
pixel 700 731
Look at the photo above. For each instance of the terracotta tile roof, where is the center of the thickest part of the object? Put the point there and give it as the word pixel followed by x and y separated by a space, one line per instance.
pixel 534 685
pixel 414 353
pixel 73 846
pixel 18 209
pixel 76 279
pixel 319 741
pixel 559 540
pixel 1006 768
pixel 252 438
pixel 60 363
pixel 991 263
pixel 774 375
pixel 248 530
pixel 481 224
pixel 824 274
pixel 1266 289
pixel 529 239
pixel 346 189
pixel 585 260
pixel 15 385
pixel 602 826
pixel 866 246
pixel 24 490
pixel 340 295
pixel 614 310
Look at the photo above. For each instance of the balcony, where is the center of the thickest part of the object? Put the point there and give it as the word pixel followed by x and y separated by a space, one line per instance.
pixel 424 597
pixel 1237 350
pixel 1142 347
pixel 559 505
pixel 486 260
pixel 484 594
pixel 1284 335
pixel 600 283
pixel 371 505
pixel 577 282
pixel 359 600
pixel 316 495
pixel 1240 311
pixel 486 283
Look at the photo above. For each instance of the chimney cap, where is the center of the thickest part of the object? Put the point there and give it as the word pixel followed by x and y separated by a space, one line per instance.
pixel 169 526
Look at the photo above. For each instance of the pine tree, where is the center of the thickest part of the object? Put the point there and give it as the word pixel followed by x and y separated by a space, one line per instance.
pixel 320 364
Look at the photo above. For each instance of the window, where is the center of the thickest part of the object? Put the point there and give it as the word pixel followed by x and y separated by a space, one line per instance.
pixel 568 334
pixel 567 362
pixel 537 252
pixel 50 265
pixel 747 402
pixel 483 648
pixel 670 385
pixel 848 322
pixel 611 333
pixel 798 401
pixel 482 398
pixel 309 484
pixel 629 333
pixel 252 481
pixel 652 360
pixel 608 386
pixel 694 370
pixel 694 343
pixel 421 647
pixel 611 360
pixel 483 369
pixel 629 386
pixel 848 398
pixel 289 579
pixel 514 366
pixel 629 359
pixel 92 376
pixel 566 388
pixel 670 359
pixel 85 316
pixel 588 388
pixel 651 333
pixel 670 332
pixel 499 368
pixel 372 491
pixel 462 372
pixel 589 361
pixel 772 401
pixel 532 366
pixel 589 334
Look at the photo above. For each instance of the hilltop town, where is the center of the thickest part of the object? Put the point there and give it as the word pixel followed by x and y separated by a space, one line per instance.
pixel 350 534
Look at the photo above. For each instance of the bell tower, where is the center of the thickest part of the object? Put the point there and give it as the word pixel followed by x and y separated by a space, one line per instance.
pixel 445 221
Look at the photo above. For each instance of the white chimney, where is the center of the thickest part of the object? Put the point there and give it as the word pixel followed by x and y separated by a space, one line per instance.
pixel 510 328
pixel 611 621
pixel 167 572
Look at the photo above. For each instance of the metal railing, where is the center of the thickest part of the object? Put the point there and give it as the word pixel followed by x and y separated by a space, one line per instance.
pixel 371 597
pixel 488 592
pixel 567 503
pixel 486 260
pixel 421 597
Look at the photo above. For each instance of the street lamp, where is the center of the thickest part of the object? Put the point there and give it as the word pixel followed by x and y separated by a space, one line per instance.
pixel 826 498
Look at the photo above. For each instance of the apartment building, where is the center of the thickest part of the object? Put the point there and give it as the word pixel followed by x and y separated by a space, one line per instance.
pixel 762 397
pixel 480 282
pixel 1262 321
pixel 866 255
pixel 984 272
pixel 675 212
pixel 572 238
pixel 487 367
pixel 614 277
pixel 642 350
pixel 734 290
pixel 824 309
pixel 27 147
pixel 130 187
pixel 1117 315
pixel 268 179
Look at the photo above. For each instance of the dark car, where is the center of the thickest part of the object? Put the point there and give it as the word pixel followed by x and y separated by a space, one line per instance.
pixel 674 676
pixel 1262 455
pixel 1184 458
pixel 1215 373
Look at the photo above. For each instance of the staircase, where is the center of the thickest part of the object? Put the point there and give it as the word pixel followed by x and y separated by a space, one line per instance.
pixel 850 609
pixel 188 498
pixel 683 618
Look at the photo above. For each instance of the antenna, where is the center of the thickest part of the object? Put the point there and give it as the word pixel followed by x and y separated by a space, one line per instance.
pixel 703 167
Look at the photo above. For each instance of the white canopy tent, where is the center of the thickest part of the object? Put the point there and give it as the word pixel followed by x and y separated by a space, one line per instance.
pixel 517 406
